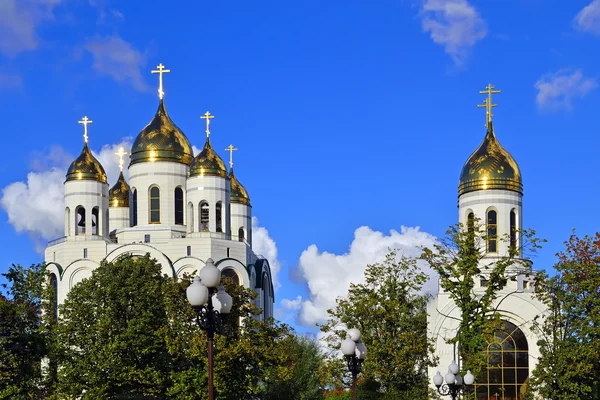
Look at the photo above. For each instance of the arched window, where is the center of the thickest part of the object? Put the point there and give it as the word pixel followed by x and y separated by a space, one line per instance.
pixel 154 205
pixel 67 221
pixel 135 208
pixel 95 220
pixel 507 372
pixel 178 206
pixel 190 217
pixel 266 297
pixel 204 217
pixel 219 217
pixel 54 299
pixel 231 274
pixel 80 221
pixel 513 228
pixel 492 231
pixel 241 234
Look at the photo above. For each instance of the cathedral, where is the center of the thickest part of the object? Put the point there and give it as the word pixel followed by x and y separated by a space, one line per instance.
pixel 491 189
pixel 180 209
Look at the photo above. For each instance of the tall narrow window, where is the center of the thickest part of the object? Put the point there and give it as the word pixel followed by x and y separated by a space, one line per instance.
pixel 95 220
pixel 178 206
pixel 80 221
pixel 492 231
pixel 219 217
pixel 241 234
pixel 154 205
pixel 204 217
pixel 513 229
pixel 190 219
pixel 471 229
pixel 135 208
pixel 67 221
pixel 54 299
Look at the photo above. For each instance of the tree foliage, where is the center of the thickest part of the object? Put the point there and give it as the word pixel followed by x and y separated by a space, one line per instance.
pixel 390 312
pixel 569 364
pixel 460 259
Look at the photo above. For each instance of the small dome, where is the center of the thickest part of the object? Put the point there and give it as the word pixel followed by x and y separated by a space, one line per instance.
pixel 208 163
pixel 490 167
pixel 86 167
pixel 238 192
pixel 119 194
pixel 161 140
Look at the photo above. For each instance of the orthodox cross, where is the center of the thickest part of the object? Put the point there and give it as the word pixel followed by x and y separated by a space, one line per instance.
pixel 160 71
pixel 121 153
pixel 85 121
pixel 487 103
pixel 230 149
pixel 207 117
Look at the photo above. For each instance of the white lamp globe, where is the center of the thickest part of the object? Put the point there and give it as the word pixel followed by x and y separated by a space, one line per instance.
pixel 197 293
pixel 438 379
pixel 348 346
pixel 459 380
pixel 354 334
pixel 224 300
pixel 453 367
pixel 210 275
pixel 450 378
pixel 362 350
pixel 469 378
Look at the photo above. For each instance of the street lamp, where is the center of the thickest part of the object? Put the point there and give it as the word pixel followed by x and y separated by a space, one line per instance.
pixel 210 304
pixel 455 383
pixel 355 352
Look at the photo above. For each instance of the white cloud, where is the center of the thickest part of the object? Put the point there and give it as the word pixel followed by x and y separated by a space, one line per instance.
pixel 454 24
pixel 264 245
pixel 19 20
pixel 292 304
pixel 36 206
pixel 588 19
pixel 118 59
pixel 557 90
pixel 328 275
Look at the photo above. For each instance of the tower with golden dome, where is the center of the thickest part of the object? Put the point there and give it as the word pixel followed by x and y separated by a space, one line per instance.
pixel 490 194
pixel 180 209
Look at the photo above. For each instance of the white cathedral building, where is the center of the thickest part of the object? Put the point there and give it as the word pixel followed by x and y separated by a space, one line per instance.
pixel 491 189
pixel 180 209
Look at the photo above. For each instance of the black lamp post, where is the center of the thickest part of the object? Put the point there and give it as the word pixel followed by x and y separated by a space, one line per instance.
pixel 455 384
pixel 355 352
pixel 200 294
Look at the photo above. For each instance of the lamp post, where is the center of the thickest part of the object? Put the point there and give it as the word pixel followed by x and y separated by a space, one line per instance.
pixel 201 294
pixel 355 352
pixel 455 383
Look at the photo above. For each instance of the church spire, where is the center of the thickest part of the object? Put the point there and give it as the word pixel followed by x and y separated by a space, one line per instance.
pixel 160 71
pixel 487 103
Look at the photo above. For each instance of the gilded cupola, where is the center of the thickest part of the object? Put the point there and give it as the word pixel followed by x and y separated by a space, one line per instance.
pixel 86 167
pixel 161 140
pixel 238 193
pixel 119 194
pixel 208 163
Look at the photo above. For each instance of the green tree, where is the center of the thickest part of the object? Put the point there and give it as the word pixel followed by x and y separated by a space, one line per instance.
pixel 391 314
pixel 460 260
pixel 570 329
pixel 22 343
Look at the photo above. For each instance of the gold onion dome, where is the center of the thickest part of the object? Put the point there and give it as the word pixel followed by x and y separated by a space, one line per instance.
pixel 238 193
pixel 119 194
pixel 161 140
pixel 490 167
pixel 208 163
pixel 86 167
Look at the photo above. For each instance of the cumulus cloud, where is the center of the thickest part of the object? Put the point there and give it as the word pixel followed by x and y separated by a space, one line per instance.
pixel 557 90
pixel 588 19
pixel 118 59
pixel 264 245
pixel 329 275
pixel 36 206
pixel 19 21
pixel 292 304
pixel 453 24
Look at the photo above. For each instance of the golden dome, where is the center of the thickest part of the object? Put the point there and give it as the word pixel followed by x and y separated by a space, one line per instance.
pixel 118 196
pixel 86 167
pixel 208 163
pixel 161 140
pixel 490 167
pixel 238 192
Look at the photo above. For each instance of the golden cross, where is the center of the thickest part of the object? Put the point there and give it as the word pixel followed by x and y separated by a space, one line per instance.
pixel 121 153
pixel 85 121
pixel 230 149
pixel 207 117
pixel 160 71
pixel 487 103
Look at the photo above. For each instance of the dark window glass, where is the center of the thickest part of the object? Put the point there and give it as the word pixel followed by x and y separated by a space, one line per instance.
pixel 241 234
pixel 492 231
pixel 54 287
pixel 513 229
pixel 146 238
pixel 204 217
pixel 179 206
pixel 189 251
pixel 154 205
pixel 135 210
pixel 219 217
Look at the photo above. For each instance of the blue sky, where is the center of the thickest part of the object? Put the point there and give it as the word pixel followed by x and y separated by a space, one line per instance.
pixel 347 114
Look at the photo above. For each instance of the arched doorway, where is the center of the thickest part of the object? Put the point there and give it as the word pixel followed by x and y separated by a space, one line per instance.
pixel 507 373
